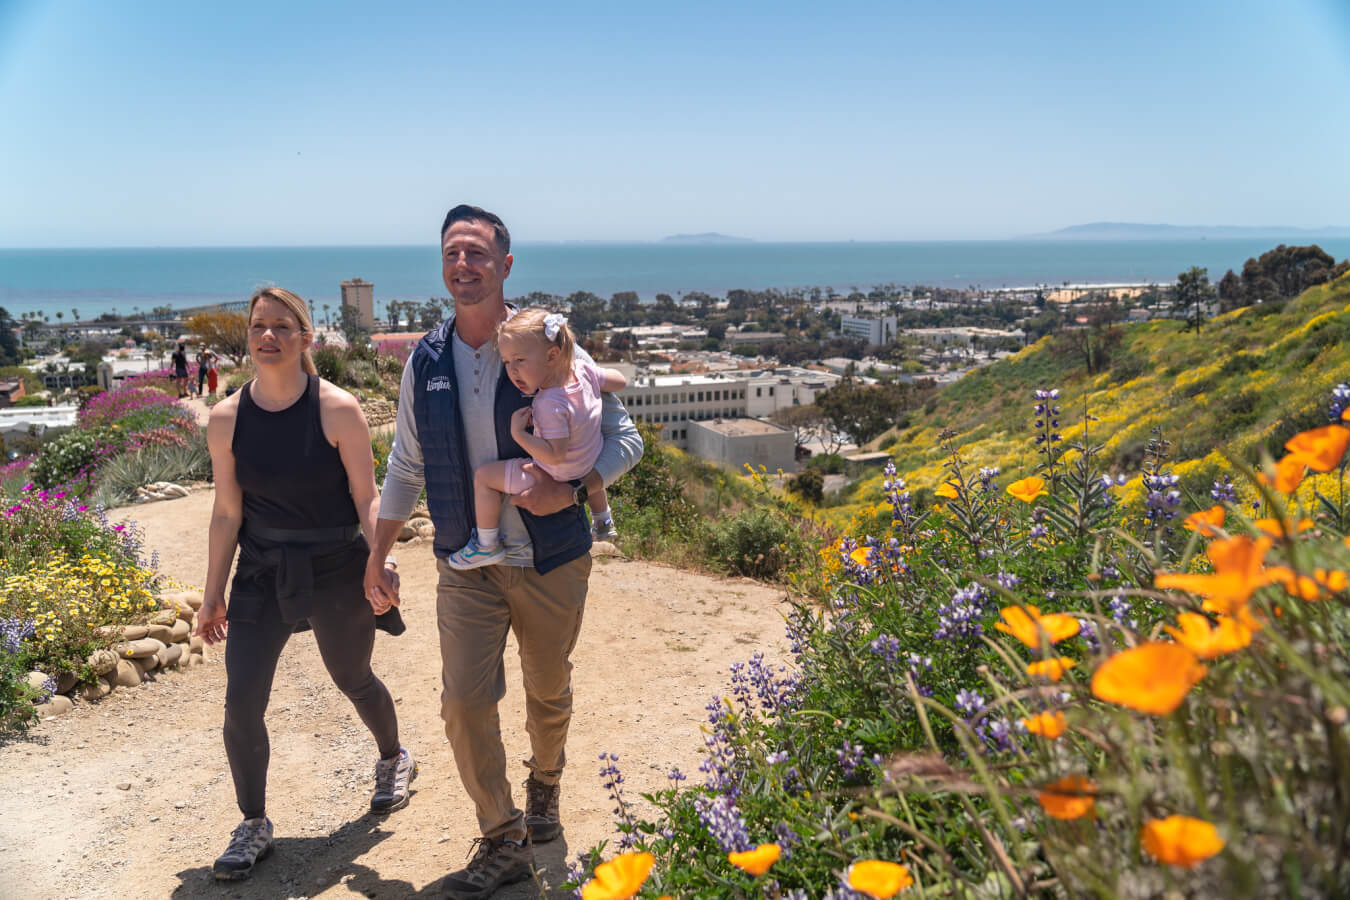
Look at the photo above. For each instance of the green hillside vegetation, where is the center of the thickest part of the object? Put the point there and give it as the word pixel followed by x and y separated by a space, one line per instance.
pixel 1250 380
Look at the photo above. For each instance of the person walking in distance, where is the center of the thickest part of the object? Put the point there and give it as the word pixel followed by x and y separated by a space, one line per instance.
pixel 455 412
pixel 294 488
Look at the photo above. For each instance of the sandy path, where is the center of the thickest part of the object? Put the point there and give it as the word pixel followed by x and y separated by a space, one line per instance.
pixel 655 645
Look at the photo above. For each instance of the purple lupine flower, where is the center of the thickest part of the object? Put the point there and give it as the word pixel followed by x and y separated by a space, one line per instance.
pixel 960 618
pixel 1224 491
pixel 969 703
pixel 1340 401
pixel 850 757
pixel 723 821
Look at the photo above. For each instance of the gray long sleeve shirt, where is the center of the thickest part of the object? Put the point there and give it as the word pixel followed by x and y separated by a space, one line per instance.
pixel 477 371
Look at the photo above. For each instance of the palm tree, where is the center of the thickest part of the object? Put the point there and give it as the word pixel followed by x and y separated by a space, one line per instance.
pixel 76 314
pixel 327 320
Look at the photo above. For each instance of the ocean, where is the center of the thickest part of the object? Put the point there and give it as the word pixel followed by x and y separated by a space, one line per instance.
pixel 94 281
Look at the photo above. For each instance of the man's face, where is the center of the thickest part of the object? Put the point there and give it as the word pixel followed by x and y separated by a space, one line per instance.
pixel 472 265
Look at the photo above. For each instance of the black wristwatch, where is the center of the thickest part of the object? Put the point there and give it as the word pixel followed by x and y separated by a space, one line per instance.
pixel 579 492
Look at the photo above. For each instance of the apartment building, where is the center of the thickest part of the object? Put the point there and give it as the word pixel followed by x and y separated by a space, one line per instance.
pixel 878 330
pixel 674 401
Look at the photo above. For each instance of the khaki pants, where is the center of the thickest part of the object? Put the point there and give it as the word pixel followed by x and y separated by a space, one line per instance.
pixel 474 609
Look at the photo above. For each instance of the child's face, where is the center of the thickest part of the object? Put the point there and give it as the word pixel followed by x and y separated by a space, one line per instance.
pixel 529 362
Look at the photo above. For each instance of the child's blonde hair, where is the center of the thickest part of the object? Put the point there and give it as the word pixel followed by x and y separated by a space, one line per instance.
pixel 536 322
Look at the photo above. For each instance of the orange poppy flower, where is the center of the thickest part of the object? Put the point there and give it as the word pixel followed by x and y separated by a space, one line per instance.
pixel 1320 449
pixel 1180 840
pixel 1309 588
pixel 1028 624
pixel 1152 678
pixel 878 878
pixel 1027 489
pixel 1052 669
pixel 1047 724
pixel 756 861
pixel 1196 635
pixel 1071 797
pixel 1289 472
pixel 1207 521
pixel 620 878
pixel 1278 528
pixel 947 489
pixel 1238 572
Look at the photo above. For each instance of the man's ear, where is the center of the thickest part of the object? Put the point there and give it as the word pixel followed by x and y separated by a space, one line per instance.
pixel 506 267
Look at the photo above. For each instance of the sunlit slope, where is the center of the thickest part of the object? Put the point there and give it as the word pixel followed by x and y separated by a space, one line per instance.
pixel 1249 380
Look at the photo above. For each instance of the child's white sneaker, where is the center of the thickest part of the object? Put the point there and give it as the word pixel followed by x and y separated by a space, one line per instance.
pixel 472 555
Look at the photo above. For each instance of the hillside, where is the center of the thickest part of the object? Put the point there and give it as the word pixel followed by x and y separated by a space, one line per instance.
pixel 1250 380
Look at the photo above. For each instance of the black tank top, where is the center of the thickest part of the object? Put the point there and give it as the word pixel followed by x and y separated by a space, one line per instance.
pixel 291 477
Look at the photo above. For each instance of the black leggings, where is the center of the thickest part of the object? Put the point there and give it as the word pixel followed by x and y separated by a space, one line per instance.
pixel 345 634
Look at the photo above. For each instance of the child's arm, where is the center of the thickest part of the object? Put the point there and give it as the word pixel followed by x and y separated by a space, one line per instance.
pixel 550 451
pixel 612 380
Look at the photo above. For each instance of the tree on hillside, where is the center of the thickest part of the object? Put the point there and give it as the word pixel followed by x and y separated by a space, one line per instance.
pixel 806 422
pixel 1286 272
pixel 1095 340
pixel 10 354
pixel 865 411
pixel 1193 291
pixel 225 332
pixel 623 306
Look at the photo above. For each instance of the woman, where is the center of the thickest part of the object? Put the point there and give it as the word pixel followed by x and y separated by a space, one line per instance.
pixel 294 487
pixel 180 370
pixel 212 371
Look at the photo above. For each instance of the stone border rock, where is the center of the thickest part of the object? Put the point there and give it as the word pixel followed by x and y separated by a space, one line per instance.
pixel 166 642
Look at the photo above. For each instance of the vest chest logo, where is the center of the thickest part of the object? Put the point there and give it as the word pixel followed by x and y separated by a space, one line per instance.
pixel 439 383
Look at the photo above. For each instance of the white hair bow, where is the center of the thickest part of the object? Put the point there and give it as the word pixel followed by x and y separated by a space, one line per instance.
pixel 553 322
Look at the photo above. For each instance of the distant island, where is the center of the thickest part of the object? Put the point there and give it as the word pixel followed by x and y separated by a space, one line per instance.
pixel 1133 231
pixel 707 237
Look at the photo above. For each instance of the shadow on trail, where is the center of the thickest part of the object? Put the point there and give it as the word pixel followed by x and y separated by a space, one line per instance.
pixel 306 866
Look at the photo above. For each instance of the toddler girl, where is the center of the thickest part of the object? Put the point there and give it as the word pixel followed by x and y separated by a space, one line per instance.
pixel 536 346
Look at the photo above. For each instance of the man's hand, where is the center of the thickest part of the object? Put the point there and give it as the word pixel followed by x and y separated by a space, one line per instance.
pixel 381 584
pixel 211 624
pixel 545 496
pixel 520 420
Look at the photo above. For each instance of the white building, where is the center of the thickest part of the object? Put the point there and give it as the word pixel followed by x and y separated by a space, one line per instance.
pixel 878 330
pixel 740 442
pixel 673 401
pixel 23 419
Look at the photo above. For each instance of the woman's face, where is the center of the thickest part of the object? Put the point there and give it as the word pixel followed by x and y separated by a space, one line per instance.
pixel 274 335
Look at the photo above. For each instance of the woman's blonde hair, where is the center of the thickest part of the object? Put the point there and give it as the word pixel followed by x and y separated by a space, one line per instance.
pixel 531 322
pixel 297 308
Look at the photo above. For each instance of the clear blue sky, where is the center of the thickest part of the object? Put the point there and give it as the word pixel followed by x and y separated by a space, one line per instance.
pixel 157 123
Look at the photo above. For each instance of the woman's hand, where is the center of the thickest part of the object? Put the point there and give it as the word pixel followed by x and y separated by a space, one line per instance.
pixel 211 624
pixel 381 584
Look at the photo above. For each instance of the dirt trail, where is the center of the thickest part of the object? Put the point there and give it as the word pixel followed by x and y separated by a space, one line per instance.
pixel 655 645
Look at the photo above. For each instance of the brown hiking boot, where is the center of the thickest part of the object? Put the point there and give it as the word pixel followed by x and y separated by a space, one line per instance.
pixel 496 863
pixel 541 810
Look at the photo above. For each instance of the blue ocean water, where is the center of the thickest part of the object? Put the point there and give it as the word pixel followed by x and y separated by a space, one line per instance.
pixel 96 281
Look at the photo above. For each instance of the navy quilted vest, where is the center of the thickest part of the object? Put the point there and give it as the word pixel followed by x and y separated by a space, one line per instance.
pixel 558 538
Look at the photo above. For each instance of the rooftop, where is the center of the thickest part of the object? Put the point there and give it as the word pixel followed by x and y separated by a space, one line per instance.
pixel 739 427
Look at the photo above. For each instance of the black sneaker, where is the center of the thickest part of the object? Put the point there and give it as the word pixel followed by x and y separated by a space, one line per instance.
pixel 250 843
pixel 496 863
pixel 392 777
pixel 541 810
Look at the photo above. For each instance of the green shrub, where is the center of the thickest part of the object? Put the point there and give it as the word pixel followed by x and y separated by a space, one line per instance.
pixel 28 400
pixel 757 543
pixel 827 463
pixel 120 478
pixel 69 457
pixel 331 363
pixel 809 485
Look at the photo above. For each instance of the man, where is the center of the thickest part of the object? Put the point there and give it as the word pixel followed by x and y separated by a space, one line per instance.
pixel 454 416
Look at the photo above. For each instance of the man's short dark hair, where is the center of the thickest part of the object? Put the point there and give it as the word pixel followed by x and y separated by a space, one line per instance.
pixel 466 213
